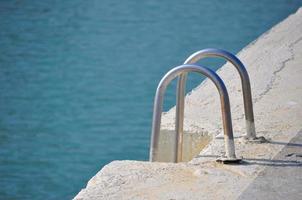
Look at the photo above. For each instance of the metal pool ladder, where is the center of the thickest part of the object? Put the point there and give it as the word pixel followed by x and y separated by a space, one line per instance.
pixel 182 73
pixel 225 107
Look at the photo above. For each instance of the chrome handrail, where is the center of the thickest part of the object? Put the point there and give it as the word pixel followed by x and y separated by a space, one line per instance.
pixel 225 107
pixel 246 89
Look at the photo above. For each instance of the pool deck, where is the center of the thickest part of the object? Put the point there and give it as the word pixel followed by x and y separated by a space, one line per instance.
pixel 270 170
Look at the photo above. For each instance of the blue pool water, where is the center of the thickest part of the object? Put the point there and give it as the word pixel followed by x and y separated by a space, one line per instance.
pixel 77 79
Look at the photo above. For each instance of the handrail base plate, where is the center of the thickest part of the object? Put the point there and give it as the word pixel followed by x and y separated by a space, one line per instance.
pixel 256 140
pixel 225 160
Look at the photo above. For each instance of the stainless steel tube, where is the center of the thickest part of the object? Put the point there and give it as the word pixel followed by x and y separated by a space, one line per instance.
pixel 225 106
pixel 246 89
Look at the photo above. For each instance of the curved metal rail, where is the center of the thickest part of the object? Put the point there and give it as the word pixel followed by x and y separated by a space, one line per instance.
pixel 225 107
pixel 246 89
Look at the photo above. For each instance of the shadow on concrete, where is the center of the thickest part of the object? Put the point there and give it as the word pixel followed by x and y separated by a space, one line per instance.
pixel 222 137
pixel 271 163
pixel 266 162
pixel 286 144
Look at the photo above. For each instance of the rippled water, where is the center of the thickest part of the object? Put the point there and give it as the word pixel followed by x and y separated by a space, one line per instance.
pixel 77 79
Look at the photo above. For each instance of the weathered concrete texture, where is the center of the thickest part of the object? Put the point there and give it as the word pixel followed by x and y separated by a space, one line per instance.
pixel 274 62
pixel 283 178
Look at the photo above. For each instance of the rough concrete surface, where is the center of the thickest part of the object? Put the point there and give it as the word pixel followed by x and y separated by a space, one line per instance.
pixel 274 63
pixel 283 178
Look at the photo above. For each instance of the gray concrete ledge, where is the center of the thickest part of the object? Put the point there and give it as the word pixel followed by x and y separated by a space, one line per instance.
pixel 274 63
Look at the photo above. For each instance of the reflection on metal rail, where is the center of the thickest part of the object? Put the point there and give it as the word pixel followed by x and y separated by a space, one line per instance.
pixel 225 107
pixel 246 89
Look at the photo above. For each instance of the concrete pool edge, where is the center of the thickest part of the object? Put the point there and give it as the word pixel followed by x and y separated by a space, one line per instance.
pixel 273 62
